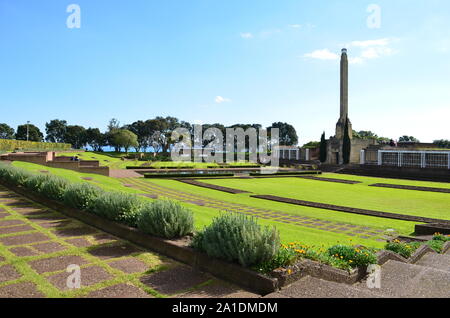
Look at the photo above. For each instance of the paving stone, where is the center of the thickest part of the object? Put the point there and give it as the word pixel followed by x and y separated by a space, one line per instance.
pixel 24 239
pixel 114 251
pixel 23 251
pixel 119 291
pixel 47 217
pixel 90 275
pixel 76 231
pixel 79 242
pixel 31 213
pixel 20 290
pixel 104 238
pixel 130 265
pixel 50 247
pixel 57 224
pixel 214 290
pixel 16 229
pixel 174 280
pixel 7 273
pixel 58 263
pixel 310 287
pixel 11 223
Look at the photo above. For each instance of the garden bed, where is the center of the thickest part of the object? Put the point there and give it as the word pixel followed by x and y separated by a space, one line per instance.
pixel 405 187
pixel 331 180
pixel 325 206
pixel 212 186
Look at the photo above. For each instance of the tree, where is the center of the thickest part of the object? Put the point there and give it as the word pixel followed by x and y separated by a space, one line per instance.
pixel 56 130
pixel 443 143
pixel 323 148
pixel 113 127
pixel 288 135
pixel 125 139
pixel 95 139
pixel 6 132
pixel 311 144
pixel 34 134
pixel 76 136
pixel 346 144
pixel 143 132
pixel 408 139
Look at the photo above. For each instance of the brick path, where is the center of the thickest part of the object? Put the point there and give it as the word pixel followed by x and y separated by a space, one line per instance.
pixel 153 190
pixel 37 245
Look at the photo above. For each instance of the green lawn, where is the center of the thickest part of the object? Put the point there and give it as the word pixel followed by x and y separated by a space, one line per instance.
pixel 112 160
pixel 420 203
pixel 275 186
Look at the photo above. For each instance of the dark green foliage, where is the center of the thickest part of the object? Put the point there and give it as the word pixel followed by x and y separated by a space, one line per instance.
pixel 402 248
pixel 34 134
pixel 238 238
pixel 436 245
pixel 346 145
pixel 166 219
pixel 81 195
pixel 117 206
pixel 283 258
pixel 323 149
pixel 353 255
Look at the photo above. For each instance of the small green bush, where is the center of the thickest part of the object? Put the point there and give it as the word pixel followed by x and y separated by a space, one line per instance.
pixel 283 258
pixel 14 175
pixel 81 195
pixel 441 237
pixel 167 219
pixel 354 256
pixel 34 182
pixel 402 248
pixel 238 238
pixel 54 188
pixel 436 245
pixel 117 206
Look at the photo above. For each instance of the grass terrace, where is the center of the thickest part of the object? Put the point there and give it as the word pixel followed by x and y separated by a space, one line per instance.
pixel 308 225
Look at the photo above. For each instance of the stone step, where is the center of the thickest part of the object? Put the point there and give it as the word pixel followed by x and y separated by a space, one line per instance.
pixel 311 287
pixel 409 280
pixel 434 260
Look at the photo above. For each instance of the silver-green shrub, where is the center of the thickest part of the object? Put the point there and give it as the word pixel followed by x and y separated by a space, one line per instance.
pixel 35 182
pixel 166 219
pixel 54 188
pixel 238 238
pixel 14 175
pixel 117 206
pixel 81 195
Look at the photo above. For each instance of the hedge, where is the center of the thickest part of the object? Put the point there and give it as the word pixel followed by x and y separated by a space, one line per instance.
pixel 11 145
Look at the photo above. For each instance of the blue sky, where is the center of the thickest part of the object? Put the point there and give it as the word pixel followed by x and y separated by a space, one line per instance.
pixel 228 61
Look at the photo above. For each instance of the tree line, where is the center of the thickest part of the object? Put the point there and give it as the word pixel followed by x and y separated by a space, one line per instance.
pixel 141 135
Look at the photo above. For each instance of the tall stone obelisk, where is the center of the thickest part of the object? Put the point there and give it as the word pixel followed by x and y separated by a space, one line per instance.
pixel 340 126
pixel 344 84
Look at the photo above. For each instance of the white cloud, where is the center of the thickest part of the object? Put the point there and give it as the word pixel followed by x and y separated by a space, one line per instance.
pixel 369 43
pixel 220 100
pixel 324 54
pixel 295 26
pixel 246 35
pixel 362 52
